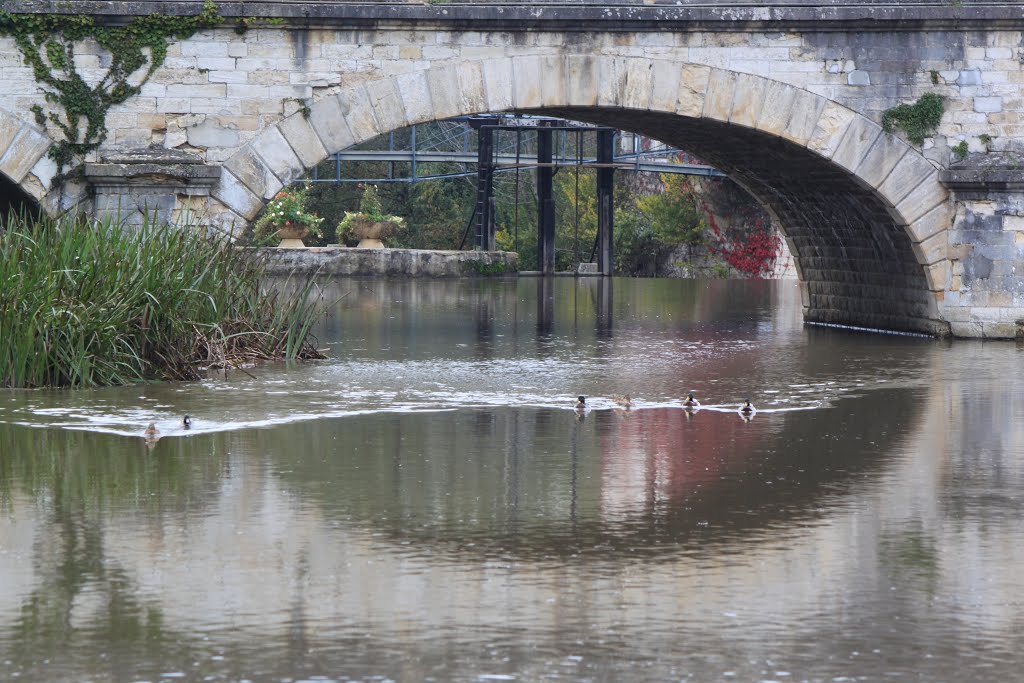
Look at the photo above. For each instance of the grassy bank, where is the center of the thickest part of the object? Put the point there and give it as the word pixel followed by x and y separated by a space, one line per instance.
pixel 85 303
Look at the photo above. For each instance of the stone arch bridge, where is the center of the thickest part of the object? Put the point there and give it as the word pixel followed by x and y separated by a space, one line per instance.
pixel 787 99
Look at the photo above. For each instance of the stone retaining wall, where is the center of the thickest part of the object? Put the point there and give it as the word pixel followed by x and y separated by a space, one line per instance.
pixel 330 261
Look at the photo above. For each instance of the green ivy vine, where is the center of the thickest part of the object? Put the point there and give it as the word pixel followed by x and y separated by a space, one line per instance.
pixel 917 120
pixel 47 43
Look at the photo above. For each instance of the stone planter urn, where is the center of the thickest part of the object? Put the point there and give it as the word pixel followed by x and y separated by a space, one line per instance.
pixel 291 235
pixel 371 233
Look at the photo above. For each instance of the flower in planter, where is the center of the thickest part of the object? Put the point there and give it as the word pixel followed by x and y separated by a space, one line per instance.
pixel 286 209
pixel 370 222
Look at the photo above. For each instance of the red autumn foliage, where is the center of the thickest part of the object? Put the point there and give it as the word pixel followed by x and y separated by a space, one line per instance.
pixel 752 251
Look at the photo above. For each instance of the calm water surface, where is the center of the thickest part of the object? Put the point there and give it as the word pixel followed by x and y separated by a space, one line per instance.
pixel 427 505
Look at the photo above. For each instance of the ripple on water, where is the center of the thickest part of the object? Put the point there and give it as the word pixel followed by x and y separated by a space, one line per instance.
pixel 342 388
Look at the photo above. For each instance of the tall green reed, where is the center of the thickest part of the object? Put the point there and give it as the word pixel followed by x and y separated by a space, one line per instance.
pixel 86 302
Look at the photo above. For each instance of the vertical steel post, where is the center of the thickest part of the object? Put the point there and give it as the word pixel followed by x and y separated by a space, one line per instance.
pixel 605 200
pixel 484 189
pixel 545 202
pixel 413 145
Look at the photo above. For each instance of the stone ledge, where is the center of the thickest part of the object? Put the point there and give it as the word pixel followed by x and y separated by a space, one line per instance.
pixel 836 16
pixel 170 170
pixel 980 174
pixel 331 261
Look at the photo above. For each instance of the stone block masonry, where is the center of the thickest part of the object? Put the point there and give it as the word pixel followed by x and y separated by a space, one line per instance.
pixel 787 99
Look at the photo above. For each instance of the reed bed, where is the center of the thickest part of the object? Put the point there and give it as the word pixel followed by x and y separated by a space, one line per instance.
pixel 87 303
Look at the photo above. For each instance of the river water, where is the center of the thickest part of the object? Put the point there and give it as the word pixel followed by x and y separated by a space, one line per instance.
pixel 427 505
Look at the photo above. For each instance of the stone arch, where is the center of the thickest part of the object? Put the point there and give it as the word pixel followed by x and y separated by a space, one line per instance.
pixel 864 213
pixel 23 161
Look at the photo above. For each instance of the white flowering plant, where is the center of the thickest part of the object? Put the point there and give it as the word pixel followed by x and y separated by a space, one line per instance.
pixel 287 209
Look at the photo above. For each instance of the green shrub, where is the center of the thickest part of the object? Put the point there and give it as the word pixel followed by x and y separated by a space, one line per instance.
pixel 917 120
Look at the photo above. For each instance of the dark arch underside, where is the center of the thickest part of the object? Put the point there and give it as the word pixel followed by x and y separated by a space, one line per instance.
pixel 15 202
pixel 856 261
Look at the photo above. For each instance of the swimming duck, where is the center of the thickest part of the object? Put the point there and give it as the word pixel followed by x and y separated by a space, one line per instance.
pixel 187 422
pixel 691 402
pixel 747 408
pixel 151 431
pixel 581 403
pixel 624 401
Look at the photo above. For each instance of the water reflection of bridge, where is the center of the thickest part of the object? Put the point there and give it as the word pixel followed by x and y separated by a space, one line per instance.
pixel 343 550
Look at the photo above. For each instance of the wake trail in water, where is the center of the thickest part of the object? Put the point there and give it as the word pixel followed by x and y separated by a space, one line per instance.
pixel 656 373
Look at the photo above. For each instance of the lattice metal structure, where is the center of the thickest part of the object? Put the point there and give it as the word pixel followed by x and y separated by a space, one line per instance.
pixel 411 153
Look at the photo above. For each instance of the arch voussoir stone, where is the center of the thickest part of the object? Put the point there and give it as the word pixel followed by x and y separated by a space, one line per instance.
pixel 472 93
pixel 359 114
pixel 250 169
pixel 233 193
pixel 278 155
pixel 933 249
pixel 327 117
pixel 665 77
pixel 552 85
pixel 415 92
pixel 859 138
pixel 443 96
pixel 721 91
pixel 777 107
pixel 830 128
pixel 638 82
pixel 885 153
pixel 387 104
pixel 803 118
pixel 922 199
pixel 23 151
pixel 303 140
pixel 613 80
pixel 909 174
pixel 936 221
pixel 498 84
pixel 582 74
pixel 527 81
pixel 748 100
pixel 693 86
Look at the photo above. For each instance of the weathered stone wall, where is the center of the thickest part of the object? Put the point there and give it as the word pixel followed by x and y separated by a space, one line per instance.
pixel 986 245
pixel 787 100
pixel 217 90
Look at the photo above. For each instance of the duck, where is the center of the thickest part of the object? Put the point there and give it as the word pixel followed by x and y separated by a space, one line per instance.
pixel 747 408
pixel 581 403
pixel 624 401
pixel 151 431
pixel 186 423
pixel 691 402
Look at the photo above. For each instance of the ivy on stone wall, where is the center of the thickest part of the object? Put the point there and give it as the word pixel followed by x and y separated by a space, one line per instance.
pixel 917 120
pixel 47 43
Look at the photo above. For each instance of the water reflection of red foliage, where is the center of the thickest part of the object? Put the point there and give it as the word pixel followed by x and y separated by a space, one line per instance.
pixel 650 457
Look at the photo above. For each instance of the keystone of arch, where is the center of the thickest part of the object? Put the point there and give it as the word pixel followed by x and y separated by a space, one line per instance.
pixel 884 164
